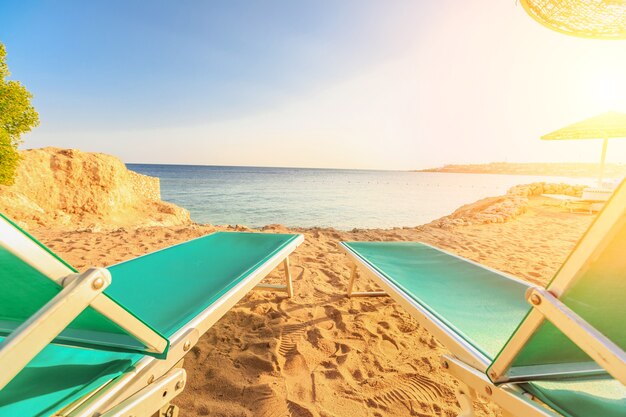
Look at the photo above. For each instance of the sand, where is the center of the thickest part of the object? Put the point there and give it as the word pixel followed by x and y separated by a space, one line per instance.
pixel 320 353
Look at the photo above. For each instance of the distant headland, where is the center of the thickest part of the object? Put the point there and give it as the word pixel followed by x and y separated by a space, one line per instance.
pixel 540 169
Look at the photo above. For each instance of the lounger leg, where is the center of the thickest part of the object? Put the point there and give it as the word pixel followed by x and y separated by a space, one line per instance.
pixel 288 277
pixel 288 287
pixel 352 278
pixel 351 293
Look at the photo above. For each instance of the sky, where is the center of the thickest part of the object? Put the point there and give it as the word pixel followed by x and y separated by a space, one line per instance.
pixel 395 84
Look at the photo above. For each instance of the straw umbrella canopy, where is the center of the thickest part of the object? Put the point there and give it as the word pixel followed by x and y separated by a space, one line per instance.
pixel 606 126
pixel 600 19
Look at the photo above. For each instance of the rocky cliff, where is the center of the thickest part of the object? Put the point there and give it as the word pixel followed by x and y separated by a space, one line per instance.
pixel 70 189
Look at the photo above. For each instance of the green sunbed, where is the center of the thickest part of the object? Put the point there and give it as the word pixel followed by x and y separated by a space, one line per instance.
pixel 110 341
pixel 509 340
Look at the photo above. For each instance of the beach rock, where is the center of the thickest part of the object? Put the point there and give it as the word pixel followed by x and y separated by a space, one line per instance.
pixel 538 188
pixel 70 189
pixel 504 208
pixel 488 210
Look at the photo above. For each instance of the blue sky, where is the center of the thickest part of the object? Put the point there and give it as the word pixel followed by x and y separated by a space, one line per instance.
pixel 165 63
pixel 351 83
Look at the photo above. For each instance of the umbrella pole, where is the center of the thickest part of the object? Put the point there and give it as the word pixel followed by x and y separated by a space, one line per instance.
pixel 605 143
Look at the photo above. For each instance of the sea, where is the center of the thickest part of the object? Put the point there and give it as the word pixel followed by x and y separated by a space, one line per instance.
pixel 343 199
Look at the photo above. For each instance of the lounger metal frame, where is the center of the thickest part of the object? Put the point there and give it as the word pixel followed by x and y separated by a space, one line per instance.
pixel 24 247
pixel 152 382
pixel 25 342
pixel 473 383
pixel 470 366
pixel 466 363
pixel 79 292
pixel 153 397
pixel 149 369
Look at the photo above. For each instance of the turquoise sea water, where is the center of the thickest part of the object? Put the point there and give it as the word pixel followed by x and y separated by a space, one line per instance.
pixel 344 199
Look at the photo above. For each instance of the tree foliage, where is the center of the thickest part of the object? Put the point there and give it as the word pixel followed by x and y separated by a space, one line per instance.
pixel 17 116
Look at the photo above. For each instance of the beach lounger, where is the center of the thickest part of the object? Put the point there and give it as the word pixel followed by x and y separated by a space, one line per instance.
pixel 592 200
pixel 110 342
pixel 533 351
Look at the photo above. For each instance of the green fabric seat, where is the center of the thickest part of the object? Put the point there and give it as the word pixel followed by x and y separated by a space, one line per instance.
pixel 59 375
pixel 485 308
pixel 169 287
pixel 27 284
pixel 479 304
pixel 166 289
pixel 600 396
pixel 597 295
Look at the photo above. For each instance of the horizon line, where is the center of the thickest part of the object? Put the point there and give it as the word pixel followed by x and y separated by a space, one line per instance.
pixel 373 169
pixel 271 167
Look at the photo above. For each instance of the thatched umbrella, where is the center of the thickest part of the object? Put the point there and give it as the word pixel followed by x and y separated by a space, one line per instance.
pixel 603 19
pixel 605 126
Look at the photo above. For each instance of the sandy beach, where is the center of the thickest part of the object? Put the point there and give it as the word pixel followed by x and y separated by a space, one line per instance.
pixel 488 130
pixel 320 353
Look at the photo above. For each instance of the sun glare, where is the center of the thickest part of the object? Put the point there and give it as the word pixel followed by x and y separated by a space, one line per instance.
pixel 608 88
pixel 604 79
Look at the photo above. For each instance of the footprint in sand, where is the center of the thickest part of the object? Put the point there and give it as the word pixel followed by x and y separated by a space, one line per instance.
pixel 289 337
pixel 417 393
pixel 406 326
pixel 336 316
pixel 295 371
pixel 254 365
pixel 388 346
pixel 297 410
pixel 266 402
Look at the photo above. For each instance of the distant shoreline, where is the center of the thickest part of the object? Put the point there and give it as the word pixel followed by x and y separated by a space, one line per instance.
pixel 582 170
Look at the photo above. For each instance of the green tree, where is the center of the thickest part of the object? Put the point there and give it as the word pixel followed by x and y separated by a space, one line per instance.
pixel 17 116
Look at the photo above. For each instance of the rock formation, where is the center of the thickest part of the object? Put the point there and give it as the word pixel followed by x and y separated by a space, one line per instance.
pixel 70 189
pixel 504 208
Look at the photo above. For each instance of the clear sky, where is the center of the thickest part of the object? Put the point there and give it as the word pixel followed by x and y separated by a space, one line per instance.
pixel 353 83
